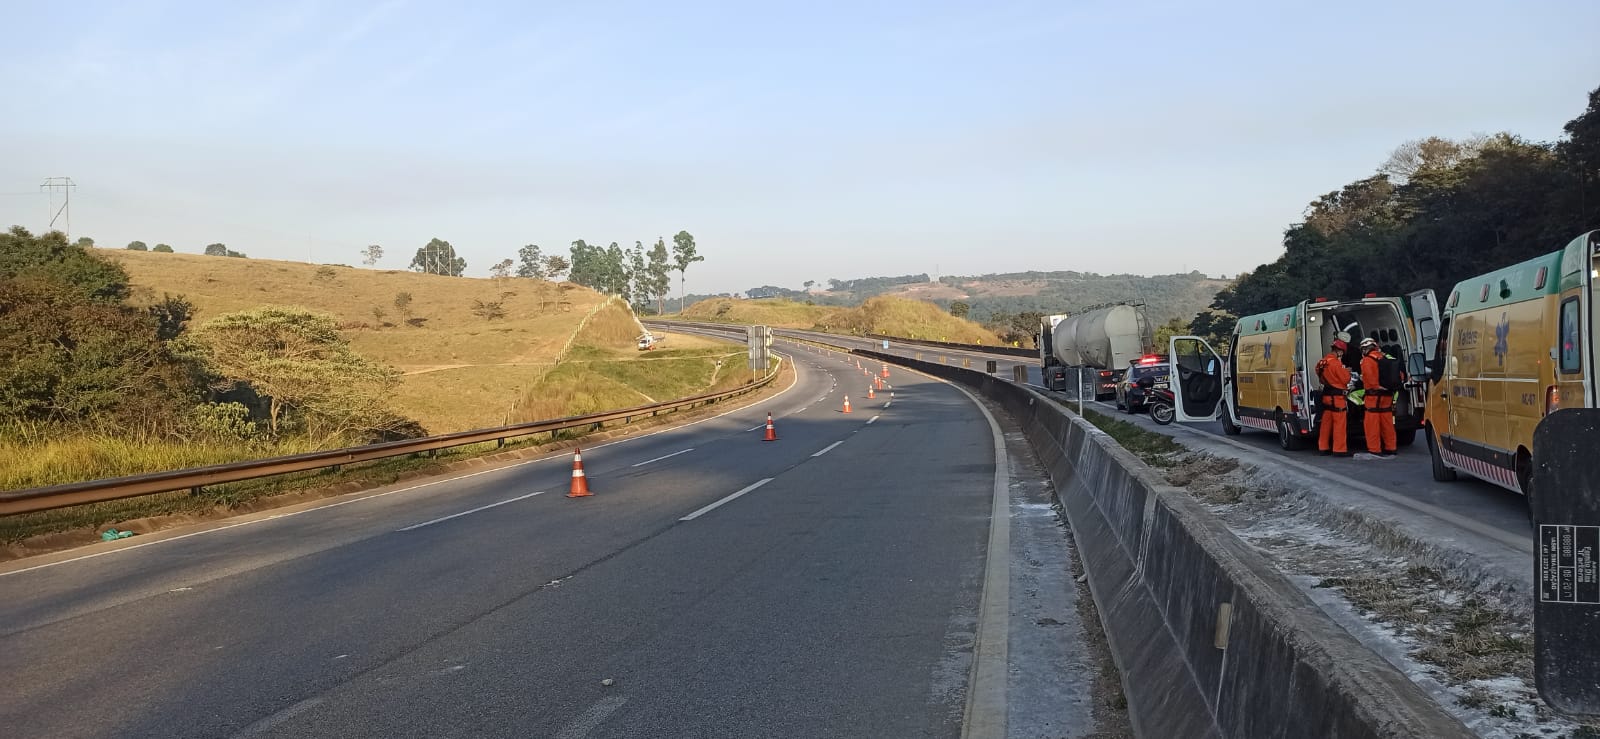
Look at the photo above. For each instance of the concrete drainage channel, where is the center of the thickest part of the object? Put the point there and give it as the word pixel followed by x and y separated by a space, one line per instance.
pixel 1211 638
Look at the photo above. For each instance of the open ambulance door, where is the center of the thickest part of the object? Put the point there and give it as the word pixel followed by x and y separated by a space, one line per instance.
pixel 1196 379
pixel 1425 316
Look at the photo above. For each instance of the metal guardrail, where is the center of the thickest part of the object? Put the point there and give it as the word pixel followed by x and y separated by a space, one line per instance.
pixel 1010 351
pixel 117 488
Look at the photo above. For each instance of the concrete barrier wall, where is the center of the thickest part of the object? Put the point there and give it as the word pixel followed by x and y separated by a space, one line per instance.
pixel 1161 568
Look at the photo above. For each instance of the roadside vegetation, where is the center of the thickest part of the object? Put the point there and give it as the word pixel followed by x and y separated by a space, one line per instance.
pixel 120 362
pixel 1437 211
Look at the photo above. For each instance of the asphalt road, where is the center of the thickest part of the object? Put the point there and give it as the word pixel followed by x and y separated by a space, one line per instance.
pixel 824 585
pixel 1408 475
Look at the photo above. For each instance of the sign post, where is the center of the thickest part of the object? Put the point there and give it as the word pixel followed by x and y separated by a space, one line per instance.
pixel 1565 501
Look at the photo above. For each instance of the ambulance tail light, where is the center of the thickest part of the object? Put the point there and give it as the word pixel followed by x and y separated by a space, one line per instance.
pixel 1552 399
pixel 1294 394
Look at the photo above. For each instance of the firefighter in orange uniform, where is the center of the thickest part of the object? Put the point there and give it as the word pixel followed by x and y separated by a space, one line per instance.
pixel 1378 402
pixel 1333 436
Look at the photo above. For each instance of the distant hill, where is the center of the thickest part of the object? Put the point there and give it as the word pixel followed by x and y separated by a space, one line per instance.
pixel 885 314
pixel 996 296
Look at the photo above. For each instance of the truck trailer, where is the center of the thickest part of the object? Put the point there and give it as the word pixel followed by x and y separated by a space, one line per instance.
pixel 1097 345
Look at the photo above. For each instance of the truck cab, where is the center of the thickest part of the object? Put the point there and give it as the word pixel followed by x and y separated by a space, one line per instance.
pixel 1265 379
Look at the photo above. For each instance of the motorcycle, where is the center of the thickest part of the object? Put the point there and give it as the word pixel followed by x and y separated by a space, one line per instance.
pixel 1158 400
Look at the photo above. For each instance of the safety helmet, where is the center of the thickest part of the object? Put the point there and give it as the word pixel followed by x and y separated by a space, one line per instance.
pixel 1340 344
pixel 1369 342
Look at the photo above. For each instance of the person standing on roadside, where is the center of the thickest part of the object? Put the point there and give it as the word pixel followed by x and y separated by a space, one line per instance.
pixel 1377 401
pixel 1333 435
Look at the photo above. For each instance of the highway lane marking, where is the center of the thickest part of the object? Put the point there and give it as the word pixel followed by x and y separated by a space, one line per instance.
pixel 442 519
pixel 271 722
pixel 985 713
pixel 828 448
pixel 514 465
pixel 674 454
pixel 874 418
pixel 592 718
pixel 713 506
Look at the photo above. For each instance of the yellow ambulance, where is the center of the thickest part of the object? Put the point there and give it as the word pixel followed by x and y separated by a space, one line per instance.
pixel 1515 344
pixel 1268 380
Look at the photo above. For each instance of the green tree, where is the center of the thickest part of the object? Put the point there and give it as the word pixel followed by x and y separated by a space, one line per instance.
pixel 502 269
pixel 163 248
pixel 616 271
pixel 438 257
pixel 137 246
pixel 84 242
pixel 960 309
pixel 298 361
pixel 660 274
pixel 26 257
pixel 683 255
pixel 588 265
pixel 1164 332
pixel 371 255
pixel 530 263
pixel 638 277
pixel 402 303
pixel 216 250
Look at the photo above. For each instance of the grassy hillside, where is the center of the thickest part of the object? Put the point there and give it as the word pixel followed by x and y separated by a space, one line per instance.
pixel 774 312
pixel 888 315
pixel 460 370
pixel 912 319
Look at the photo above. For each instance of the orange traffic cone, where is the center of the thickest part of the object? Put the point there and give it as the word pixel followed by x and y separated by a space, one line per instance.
pixel 772 434
pixel 580 483
pixel 885 370
pixel 878 382
pixel 846 404
pixel 870 394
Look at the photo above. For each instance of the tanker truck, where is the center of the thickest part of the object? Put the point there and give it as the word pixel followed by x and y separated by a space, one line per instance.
pixel 1099 342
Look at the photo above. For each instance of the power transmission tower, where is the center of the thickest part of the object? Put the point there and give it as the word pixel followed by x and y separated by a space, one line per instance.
pixel 65 185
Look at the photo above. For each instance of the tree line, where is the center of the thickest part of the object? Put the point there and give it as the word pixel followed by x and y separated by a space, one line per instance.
pixel 1438 211
pixel 640 276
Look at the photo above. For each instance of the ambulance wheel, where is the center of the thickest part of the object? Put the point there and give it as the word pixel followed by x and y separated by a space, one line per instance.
pixel 1228 426
pixel 1288 438
pixel 1441 473
pixel 1404 437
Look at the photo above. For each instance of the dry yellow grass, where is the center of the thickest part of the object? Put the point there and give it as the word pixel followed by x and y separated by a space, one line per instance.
pixel 885 314
pixel 460 371
pixel 780 313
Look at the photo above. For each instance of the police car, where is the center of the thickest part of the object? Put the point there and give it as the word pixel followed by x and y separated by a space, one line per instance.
pixel 1131 397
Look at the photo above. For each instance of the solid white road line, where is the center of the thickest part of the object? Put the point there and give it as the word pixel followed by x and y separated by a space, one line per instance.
pixel 870 420
pixel 592 718
pixel 674 454
pixel 985 714
pixel 713 506
pixel 828 448
pixel 756 427
pixel 474 510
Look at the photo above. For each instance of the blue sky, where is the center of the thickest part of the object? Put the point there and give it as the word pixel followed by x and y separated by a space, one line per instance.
pixel 795 141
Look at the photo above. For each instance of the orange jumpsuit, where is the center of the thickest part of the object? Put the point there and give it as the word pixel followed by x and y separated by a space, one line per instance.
pixel 1333 434
pixel 1379 404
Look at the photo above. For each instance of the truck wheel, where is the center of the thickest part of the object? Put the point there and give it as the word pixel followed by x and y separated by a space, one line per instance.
pixel 1441 473
pixel 1228 426
pixel 1405 437
pixel 1287 438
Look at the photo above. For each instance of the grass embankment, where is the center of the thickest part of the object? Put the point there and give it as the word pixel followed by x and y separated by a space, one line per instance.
pixel 1154 449
pixel 887 315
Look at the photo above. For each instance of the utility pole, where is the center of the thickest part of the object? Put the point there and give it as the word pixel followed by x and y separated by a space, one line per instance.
pixel 65 185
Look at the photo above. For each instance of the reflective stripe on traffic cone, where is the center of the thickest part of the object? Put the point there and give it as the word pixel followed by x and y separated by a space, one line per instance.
pixel 580 483
pixel 885 370
pixel 846 404
pixel 772 434
pixel 870 394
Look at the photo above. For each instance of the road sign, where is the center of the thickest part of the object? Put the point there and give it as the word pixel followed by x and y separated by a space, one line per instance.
pixel 758 340
pixel 1565 500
